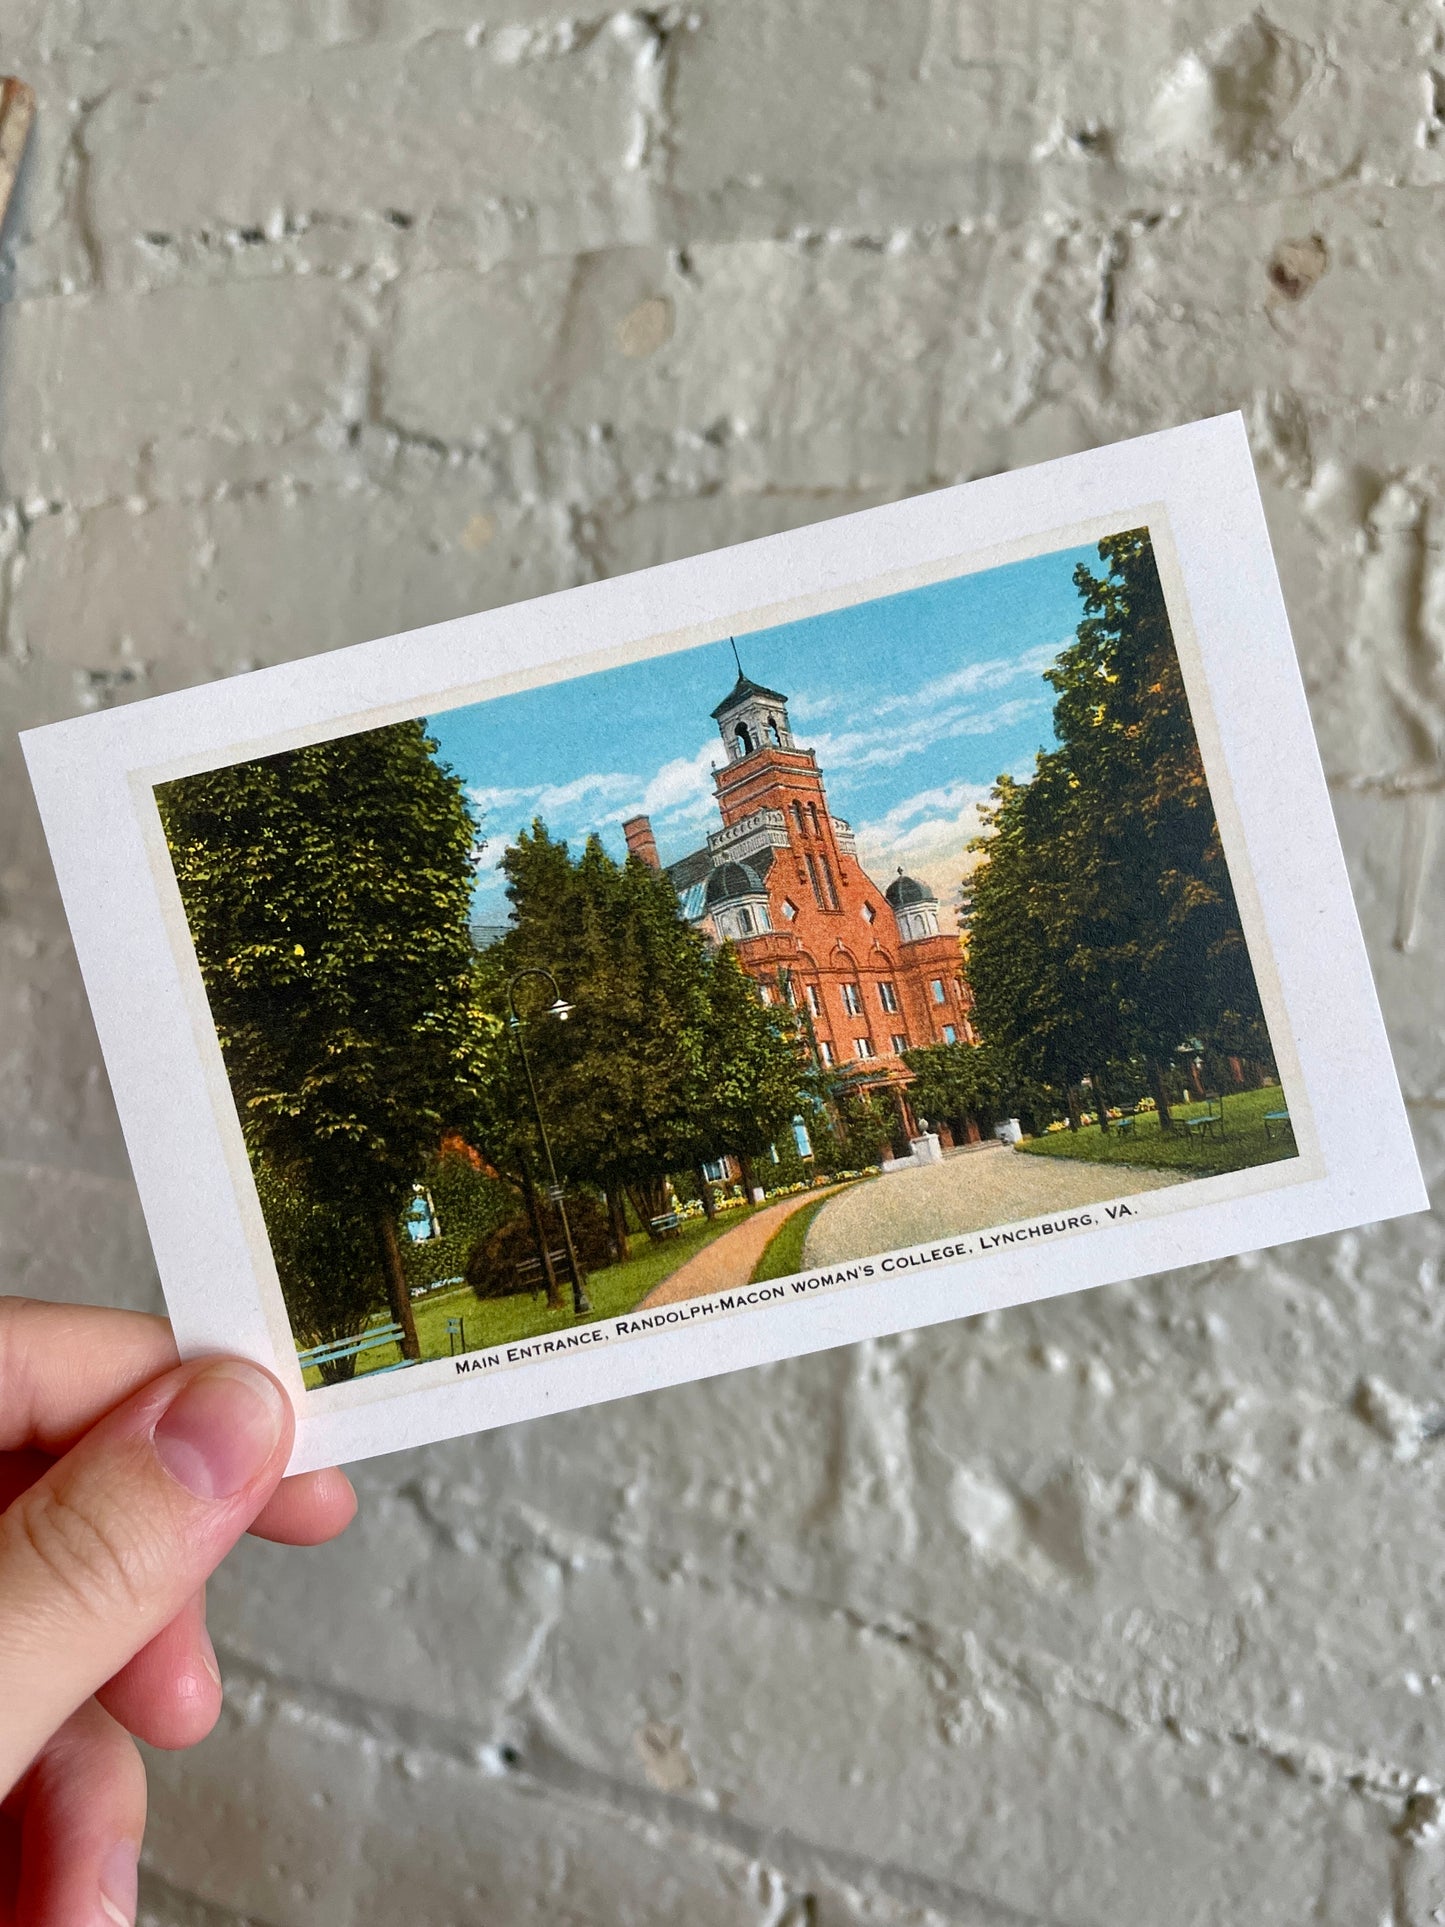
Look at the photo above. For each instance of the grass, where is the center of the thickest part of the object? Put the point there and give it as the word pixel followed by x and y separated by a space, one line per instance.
pixel 1243 1143
pixel 500 1321
pixel 783 1253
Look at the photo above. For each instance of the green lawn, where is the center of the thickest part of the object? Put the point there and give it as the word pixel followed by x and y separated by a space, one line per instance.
pixel 1243 1143
pixel 498 1321
pixel 783 1253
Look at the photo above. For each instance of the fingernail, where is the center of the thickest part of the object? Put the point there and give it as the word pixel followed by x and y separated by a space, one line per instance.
pixel 221 1428
pixel 119 1884
pixel 208 1658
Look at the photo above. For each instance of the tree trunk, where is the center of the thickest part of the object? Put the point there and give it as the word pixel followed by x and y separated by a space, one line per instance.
pixel 1071 1105
pixel 396 1286
pixel 1101 1102
pixel 539 1234
pixel 709 1202
pixel 617 1220
pixel 1161 1095
pixel 745 1168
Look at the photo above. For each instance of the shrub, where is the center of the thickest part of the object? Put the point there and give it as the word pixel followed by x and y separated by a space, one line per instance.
pixel 492 1265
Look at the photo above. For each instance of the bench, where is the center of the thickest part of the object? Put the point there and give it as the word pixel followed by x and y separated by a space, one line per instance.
pixel 1281 1120
pixel 1124 1123
pixel 456 1336
pixel 530 1276
pixel 666 1225
pixel 1211 1120
pixel 372 1340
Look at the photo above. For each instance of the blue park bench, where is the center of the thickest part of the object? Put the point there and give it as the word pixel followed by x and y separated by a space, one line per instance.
pixel 1210 1120
pixel 665 1224
pixel 1281 1120
pixel 371 1340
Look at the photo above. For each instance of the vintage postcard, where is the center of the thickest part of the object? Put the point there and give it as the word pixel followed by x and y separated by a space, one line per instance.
pixel 915 914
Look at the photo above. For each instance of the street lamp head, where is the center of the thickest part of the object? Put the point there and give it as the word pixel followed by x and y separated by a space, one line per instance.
pixel 561 1010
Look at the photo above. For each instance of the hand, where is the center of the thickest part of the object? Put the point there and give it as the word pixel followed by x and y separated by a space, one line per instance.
pixel 125 1478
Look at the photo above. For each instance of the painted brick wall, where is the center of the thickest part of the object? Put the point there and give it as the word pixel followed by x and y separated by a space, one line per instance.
pixel 327 317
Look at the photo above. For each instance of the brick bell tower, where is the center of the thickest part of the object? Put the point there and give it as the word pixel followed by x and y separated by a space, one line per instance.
pixel 786 888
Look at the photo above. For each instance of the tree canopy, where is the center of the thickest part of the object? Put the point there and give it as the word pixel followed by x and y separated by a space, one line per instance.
pixel 327 891
pixel 1104 923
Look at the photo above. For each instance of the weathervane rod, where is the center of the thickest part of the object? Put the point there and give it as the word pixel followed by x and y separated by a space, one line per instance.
pixel 737 658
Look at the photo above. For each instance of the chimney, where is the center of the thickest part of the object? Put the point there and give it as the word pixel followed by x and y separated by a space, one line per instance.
pixel 641 842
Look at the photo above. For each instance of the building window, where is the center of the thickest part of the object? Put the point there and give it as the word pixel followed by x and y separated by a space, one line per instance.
pixel 813 819
pixel 716 1172
pixel 888 997
pixel 765 992
pixel 853 1000
pixel 773 737
pixel 745 920
pixel 742 741
pixel 798 819
pixel 788 908
pixel 862 1047
pixel 940 995
pixel 815 1002
pixel 868 913
pixel 825 1051
pixel 828 880
pixel 950 1035
pixel 813 879
pixel 900 1043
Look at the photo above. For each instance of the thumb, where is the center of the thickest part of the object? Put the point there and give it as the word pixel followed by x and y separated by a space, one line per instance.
pixel 104 1550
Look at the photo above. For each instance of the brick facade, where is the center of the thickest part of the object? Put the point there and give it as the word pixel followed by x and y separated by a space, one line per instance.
pixel 782 882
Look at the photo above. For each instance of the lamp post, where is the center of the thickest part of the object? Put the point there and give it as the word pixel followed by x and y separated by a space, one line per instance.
pixel 561 1010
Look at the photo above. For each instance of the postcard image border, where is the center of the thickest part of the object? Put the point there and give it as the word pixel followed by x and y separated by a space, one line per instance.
pixel 1307 1165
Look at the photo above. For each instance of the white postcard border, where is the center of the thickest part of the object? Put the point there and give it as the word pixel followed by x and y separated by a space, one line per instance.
pixel 88 778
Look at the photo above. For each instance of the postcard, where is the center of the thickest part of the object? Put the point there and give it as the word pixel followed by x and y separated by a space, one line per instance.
pixel 923 912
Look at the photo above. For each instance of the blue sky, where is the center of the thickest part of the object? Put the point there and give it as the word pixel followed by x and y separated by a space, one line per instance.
pixel 914 703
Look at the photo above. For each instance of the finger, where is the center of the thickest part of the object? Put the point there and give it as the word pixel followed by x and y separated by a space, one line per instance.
pixel 169 1695
pixel 85 1809
pixel 101 1553
pixel 64 1366
pixel 308 1509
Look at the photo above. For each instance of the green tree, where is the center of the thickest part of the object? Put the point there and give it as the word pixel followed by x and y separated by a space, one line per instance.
pixel 1104 923
pixel 328 890
pixel 328 1265
pixel 669 1056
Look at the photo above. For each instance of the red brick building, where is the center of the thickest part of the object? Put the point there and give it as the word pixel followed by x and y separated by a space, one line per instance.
pixel 781 881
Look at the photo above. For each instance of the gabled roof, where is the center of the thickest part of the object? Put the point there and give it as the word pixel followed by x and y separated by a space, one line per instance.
pixel 741 691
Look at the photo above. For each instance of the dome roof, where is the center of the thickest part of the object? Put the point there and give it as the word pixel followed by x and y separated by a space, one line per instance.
pixel 903 892
pixel 732 880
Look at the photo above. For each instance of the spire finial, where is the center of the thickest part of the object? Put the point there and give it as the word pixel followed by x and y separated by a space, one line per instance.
pixel 737 658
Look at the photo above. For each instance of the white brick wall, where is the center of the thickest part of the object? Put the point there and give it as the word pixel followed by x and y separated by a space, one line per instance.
pixel 329 317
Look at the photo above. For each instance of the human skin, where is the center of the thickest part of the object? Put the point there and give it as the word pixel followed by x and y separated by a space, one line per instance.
pixel 125 1478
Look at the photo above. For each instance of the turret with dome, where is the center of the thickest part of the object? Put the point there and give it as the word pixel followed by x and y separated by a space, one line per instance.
pixel 914 906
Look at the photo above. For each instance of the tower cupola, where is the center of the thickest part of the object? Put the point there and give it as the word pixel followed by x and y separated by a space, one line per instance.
pixel 914 907
pixel 750 718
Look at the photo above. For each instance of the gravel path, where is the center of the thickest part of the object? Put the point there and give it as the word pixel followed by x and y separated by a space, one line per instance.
pixel 728 1261
pixel 965 1193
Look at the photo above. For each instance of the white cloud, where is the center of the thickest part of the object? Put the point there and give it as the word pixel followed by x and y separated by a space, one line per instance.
pixel 863 748
pixel 683 787
pixel 928 836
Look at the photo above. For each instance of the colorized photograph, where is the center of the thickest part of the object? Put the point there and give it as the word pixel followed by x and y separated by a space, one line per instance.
pixel 758 958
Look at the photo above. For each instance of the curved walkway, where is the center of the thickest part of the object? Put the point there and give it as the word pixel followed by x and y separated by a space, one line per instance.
pixel 966 1193
pixel 729 1261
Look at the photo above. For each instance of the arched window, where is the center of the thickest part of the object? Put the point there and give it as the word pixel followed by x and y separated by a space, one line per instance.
pixel 743 740
pixel 773 736
pixel 798 819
